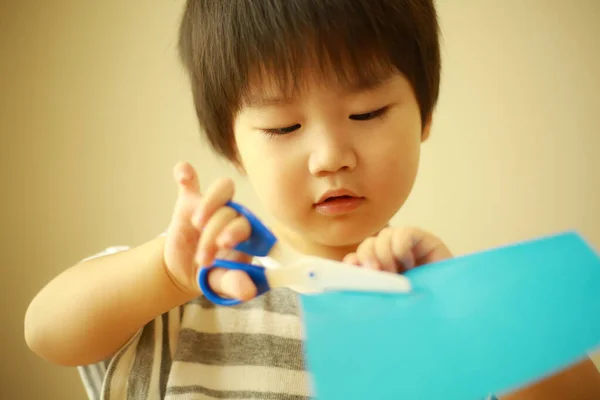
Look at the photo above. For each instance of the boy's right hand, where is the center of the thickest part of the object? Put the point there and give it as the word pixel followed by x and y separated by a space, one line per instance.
pixel 202 228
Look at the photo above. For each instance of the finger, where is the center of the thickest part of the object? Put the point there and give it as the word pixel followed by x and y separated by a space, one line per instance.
pixel 234 255
pixel 403 242
pixel 366 254
pixel 383 250
pixel 235 232
pixel 232 283
pixel 428 248
pixel 189 194
pixel 217 195
pixel 207 248
pixel 352 259
pixel 186 178
pixel 182 234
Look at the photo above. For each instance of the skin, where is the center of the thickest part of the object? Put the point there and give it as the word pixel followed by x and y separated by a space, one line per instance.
pixel 340 139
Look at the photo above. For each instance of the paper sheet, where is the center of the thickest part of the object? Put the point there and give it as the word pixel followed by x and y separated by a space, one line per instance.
pixel 484 323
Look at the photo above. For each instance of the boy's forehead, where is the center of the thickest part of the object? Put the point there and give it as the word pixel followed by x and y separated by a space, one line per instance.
pixel 270 91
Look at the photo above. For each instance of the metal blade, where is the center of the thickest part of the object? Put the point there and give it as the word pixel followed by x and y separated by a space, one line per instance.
pixel 313 274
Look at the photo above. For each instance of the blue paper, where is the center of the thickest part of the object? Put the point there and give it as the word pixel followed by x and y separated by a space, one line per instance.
pixel 489 322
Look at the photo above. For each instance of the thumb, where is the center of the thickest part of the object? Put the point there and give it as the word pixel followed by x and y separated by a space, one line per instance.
pixel 232 284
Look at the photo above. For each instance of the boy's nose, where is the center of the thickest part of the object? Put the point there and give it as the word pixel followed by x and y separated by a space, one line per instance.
pixel 331 153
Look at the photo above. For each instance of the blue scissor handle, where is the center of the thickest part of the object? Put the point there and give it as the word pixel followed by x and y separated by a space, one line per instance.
pixel 261 240
pixel 255 272
pixel 259 244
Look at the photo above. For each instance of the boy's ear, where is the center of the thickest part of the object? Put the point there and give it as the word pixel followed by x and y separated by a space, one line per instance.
pixel 426 128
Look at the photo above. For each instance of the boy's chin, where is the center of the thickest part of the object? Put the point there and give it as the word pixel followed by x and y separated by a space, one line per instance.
pixel 347 234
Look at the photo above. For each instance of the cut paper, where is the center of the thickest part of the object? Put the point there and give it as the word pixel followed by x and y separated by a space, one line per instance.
pixel 488 322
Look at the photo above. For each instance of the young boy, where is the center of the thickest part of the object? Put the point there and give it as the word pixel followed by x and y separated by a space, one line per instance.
pixel 324 106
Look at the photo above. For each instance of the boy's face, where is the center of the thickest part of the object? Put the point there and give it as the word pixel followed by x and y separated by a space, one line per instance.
pixel 359 144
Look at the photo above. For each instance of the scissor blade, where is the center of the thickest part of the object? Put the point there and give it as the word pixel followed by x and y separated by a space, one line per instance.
pixel 312 274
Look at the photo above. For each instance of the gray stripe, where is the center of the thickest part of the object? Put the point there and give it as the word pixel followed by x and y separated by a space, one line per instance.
pixel 165 362
pixel 240 349
pixel 139 381
pixel 281 301
pixel 228 394
pixel 112 366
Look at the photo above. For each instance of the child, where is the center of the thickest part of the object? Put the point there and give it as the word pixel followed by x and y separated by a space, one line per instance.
pixel 323 105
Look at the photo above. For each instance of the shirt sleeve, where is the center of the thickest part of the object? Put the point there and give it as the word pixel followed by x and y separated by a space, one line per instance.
pixel 107 251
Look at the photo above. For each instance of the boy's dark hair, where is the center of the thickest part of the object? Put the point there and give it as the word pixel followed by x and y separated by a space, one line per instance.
pixel 223 43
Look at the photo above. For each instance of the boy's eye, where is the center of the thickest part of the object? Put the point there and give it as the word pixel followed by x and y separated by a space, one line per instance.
pixel 369 115
pixel 282 131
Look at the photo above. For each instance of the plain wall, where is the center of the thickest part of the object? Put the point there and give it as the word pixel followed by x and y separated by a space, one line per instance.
pixel 95 111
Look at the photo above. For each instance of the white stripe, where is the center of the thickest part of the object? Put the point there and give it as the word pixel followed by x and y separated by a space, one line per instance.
pixel 240 378
pixel 234 320
pixel 118 384
pixel 192 396
pixel 99 373
pixel 92 387
pixel 97 376
pixel 102 368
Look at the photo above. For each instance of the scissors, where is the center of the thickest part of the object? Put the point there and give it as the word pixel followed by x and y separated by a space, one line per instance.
pixel 286 268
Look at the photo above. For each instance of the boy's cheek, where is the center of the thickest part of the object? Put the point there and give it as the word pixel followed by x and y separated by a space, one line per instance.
pixel 282 194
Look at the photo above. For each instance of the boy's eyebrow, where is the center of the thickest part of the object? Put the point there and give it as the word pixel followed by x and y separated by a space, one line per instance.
pixel 280 99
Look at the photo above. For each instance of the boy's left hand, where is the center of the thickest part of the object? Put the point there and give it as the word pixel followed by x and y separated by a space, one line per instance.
pixel 398 250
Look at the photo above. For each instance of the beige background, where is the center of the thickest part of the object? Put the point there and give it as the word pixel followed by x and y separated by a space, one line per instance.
pixel 95 111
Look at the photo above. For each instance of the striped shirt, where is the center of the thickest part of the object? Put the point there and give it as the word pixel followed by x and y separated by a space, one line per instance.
pixel 203 351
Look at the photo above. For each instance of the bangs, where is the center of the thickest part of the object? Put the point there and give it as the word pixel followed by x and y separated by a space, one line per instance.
pixel 298 64
pixel 339 53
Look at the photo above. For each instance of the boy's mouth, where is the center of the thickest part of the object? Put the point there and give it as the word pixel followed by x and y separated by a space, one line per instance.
pixel 334 198
pixel 338 202
pixel 337 194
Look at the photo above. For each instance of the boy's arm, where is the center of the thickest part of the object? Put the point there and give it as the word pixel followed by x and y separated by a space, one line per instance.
pixel 89 311
pixel 92 309
pixel 578 382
